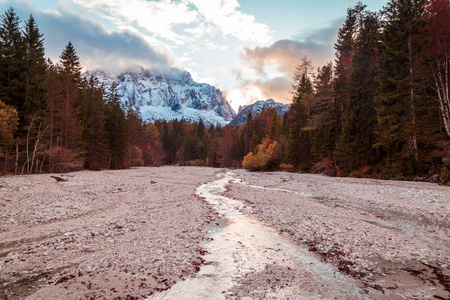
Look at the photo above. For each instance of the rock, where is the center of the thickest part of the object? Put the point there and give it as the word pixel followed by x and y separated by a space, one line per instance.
pixel 58 179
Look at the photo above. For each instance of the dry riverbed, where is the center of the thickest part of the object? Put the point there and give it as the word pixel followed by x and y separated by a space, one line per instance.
pixel 202 233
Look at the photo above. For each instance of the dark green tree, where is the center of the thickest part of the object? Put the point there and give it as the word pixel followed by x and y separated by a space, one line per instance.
pixel 299 139
pixel 344 54
pixel 12 54
pixel 35 70
pixel 354 147
pixel 324 123
pixel 70 70
pixel 401 104
pixel 115 132
pixel 92 121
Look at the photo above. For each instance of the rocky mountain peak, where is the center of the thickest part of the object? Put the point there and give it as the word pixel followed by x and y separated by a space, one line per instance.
pixel 256 108
pixel 167 95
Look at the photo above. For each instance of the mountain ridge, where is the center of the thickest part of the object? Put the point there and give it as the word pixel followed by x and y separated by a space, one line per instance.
pixel 167 96
pixel 256 108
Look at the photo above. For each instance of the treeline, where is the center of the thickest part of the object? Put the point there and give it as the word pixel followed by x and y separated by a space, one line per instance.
pixel 51 119
pixel 381 109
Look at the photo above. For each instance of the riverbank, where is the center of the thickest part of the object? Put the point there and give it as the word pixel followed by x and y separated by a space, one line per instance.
pixel 121 234
pixel 133 234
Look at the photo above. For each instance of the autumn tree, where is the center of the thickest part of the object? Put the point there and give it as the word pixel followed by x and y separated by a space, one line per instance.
pixel 9 121
pixel 225 147
pixel 437 24
pixel 265 158
pixel 152 150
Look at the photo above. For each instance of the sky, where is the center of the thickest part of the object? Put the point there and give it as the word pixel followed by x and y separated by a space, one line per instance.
pixel 246 48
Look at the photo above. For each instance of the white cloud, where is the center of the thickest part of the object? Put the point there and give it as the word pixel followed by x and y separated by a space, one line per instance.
pixel 231 22
pixel 157 18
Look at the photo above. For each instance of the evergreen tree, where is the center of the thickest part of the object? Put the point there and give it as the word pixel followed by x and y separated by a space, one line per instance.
pixel 344 54
pixel 92 120
pixel 115 132
pixel 53 87
pixel 275 127
pixel 299 139
pixel 354 147
pixel 35 69
pixel 402 100
pixel 70 70
pixel 12 53
pixel 323 124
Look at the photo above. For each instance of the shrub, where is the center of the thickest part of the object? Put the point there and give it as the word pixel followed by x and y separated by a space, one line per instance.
pixel 444 177
pixel 198 163
pixel 325 166
pixel 287 167
pixel 267 157
pixel 65 160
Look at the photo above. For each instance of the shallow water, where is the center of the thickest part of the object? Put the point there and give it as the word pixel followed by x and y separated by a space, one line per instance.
pixel 243 245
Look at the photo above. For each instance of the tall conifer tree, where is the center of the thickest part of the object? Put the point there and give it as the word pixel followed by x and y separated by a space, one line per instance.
pixel 70 70
pixel 12 53
pixel 354 147
pixel 92 118
pixel 401 101
pixel 115 132
pixel 299 139
pixel 35 69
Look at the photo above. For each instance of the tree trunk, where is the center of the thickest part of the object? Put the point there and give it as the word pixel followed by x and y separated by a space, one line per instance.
pixel 413 108
pixel 6 160
pixel 440 70
pixel 16 165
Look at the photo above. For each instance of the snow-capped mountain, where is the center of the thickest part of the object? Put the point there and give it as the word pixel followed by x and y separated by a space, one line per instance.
pixel 168 96
pixel 256 108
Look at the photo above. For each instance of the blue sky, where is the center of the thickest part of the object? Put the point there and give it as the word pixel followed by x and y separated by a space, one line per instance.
pixel 247 48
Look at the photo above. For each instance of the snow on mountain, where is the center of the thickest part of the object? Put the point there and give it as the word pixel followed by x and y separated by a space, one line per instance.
pixel 168 96
pixel 256 108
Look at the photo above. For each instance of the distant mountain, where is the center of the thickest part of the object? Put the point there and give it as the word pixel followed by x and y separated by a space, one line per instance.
pixel 256 108
pixel 173 95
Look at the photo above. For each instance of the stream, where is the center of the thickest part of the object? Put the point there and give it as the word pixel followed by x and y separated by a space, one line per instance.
pixel 242 246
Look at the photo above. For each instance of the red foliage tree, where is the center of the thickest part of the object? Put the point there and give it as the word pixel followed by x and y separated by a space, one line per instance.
pixel 437 18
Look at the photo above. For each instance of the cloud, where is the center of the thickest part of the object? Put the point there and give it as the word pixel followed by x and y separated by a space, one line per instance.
pixel 160 18
pixel 283 55
pixel 276 88
pixel 157 18
pixel 225 14
pixel 95 45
